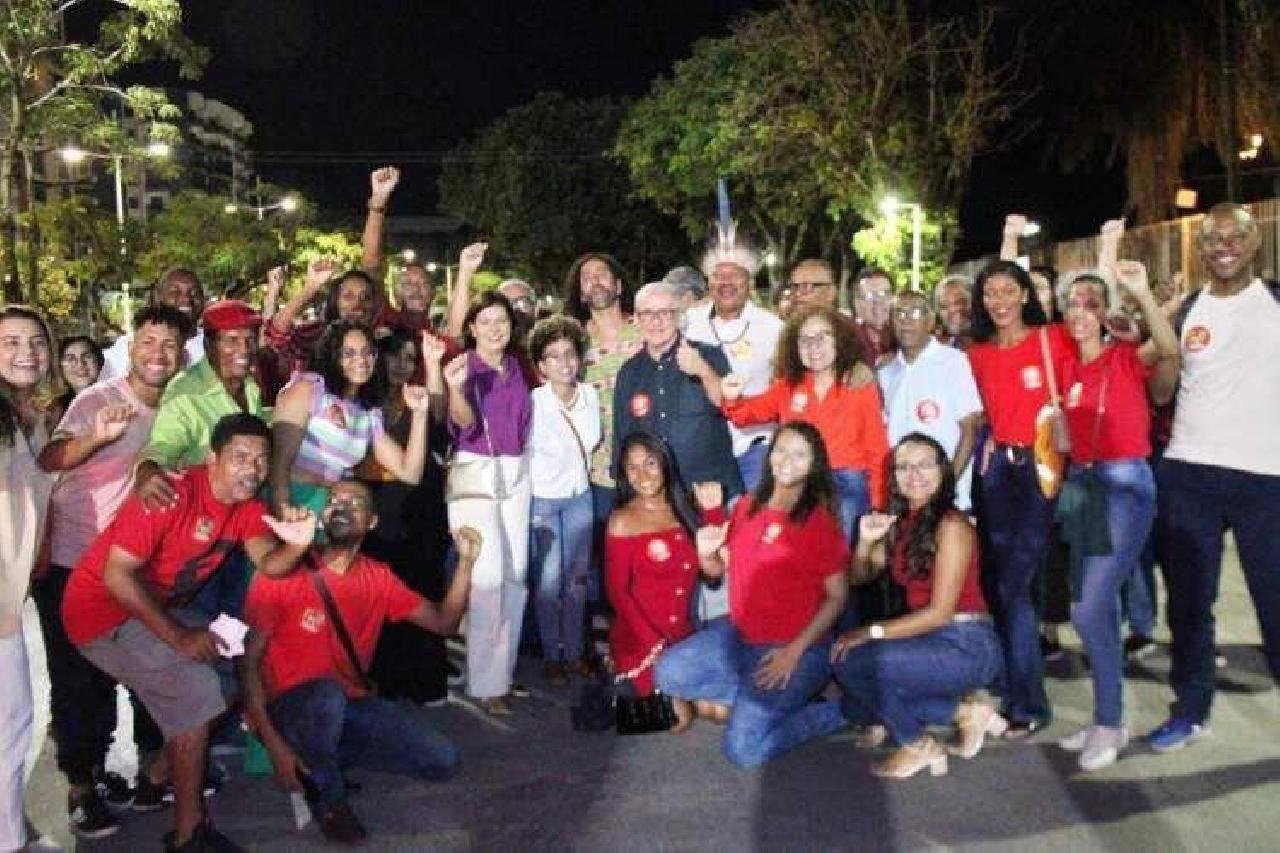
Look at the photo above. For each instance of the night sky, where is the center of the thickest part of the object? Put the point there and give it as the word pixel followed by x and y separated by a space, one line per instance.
pixel 331 84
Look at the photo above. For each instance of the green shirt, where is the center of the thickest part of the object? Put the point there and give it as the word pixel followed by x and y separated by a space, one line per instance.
pixel 190 408
pixel 602 366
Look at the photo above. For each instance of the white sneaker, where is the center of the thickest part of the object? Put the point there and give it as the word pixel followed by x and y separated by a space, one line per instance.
pixel 1102 747
pixel 1075 742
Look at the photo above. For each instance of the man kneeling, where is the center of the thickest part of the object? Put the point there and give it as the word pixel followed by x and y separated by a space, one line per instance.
pixel 314 632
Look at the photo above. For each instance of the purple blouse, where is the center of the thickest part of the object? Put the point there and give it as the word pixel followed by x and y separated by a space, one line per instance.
pixel 503 399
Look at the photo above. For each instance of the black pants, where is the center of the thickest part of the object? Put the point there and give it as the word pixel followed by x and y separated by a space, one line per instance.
pixel 82 697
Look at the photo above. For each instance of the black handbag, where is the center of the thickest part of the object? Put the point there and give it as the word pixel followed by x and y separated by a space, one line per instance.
pixel 643 715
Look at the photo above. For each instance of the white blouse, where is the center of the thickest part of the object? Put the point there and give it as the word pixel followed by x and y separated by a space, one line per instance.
pixel 556 464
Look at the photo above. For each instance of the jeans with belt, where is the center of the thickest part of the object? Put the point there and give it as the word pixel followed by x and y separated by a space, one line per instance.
pixel 1016 517
pixel 1095 609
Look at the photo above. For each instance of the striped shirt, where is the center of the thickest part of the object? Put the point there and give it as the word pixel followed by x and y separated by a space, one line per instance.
pixel 338 433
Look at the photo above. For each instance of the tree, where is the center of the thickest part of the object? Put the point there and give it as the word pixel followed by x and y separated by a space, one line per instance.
pixel 538 184
pixel 816 110
pixel 53 89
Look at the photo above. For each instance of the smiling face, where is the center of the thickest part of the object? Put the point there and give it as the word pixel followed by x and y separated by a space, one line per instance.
pixel 1003 298
pixel 816 342
pixel 155 354
pixel 791 459
pixel 233 354
pixel 1085 310
pixel 917 473
pixel 956 308
pixel 643 470
pixel 520 296
pixel 402 364
pixel 658 316
pixel 238 470
pixel 181 290
pixel 24 352
pixel 357 356
pixel 1228 246
pixel 730 287
pixel 348 515
pixel 912 321
pixel 599 287
pixel 1044 292
pixel 79 365
pixel 812 284
pixel 874 300
pixel 414 290
pixel 560 362
pixel 492 329
pixel 355 300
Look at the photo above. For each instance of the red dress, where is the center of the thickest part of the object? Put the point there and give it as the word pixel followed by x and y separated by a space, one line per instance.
pixel 652 581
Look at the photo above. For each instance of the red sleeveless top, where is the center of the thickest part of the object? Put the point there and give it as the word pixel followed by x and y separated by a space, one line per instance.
pixel 919 590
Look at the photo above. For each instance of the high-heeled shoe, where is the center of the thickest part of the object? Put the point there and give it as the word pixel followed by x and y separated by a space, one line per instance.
pixel 909 759
pixel 974 721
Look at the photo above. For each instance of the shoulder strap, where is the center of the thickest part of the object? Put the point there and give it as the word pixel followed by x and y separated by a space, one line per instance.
pixel 1180 317
pixel 1049 375
pixel 582 448
pixel 335 619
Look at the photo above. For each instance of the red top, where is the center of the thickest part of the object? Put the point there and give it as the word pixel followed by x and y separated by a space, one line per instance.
pixel 301 643
pixel 919 590
pixel 777 568
pixel 1124 432
pixel 1012 383
pixel 180 547
pixel 651 580
pixel 850 421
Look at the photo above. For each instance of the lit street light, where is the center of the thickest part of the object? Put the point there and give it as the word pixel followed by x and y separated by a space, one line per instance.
pixel 889 207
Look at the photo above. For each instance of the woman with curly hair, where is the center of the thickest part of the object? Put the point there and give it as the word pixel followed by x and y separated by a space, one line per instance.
pixel 327 418
pixel 816 352
pixel 912 671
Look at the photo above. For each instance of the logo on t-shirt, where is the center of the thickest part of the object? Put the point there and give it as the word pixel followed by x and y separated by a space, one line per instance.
pixel 658 551
pixel 1197 338
pixel 771 533
pixel 1031 378
pixel 928 411
pixel 312 620
pixel 641 404
pixel 203 530
pixel 798 401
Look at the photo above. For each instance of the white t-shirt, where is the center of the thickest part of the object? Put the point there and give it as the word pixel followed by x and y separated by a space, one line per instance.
pixel 1228 407
pixel 87 497
pixel 749 342
pixel 931 395
pixel 116 356
pixel 556 465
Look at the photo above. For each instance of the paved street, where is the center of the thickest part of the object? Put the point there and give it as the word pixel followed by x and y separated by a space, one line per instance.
pixel 534 784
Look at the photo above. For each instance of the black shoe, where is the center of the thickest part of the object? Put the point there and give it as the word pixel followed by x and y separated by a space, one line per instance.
pixel 112 788
pixel 149 796
pixel 341 826
pixel 1136 646
pixel 205 839
pixel 89 815
pixel 520 691
pixel 214 777
pixel 1050 649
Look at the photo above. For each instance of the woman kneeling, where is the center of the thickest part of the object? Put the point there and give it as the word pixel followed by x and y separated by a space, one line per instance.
pixel 914 670
pixel 786 558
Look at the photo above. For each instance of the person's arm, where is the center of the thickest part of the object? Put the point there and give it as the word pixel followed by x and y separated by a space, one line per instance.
pixel 867 420
pixel 1162 350
pixel 869 558
pixel 289 769
pixel 461 415
pixel 65 452
pixel 1014 225
pixel 120 576
pixel 469 260
pixel 271 298
pixel 776 666
pixel 275 556
pixel 319 273
pixel 691 363
pixel 443 618
pixel 433 350
pixel 1109 237
pixel 968 438
pixel 713 554
pixel 288 427
pixel 749 411
pixel 382 184
pixel 406 463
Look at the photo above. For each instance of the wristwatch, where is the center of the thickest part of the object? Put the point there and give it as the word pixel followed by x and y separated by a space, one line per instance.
pixel 876 632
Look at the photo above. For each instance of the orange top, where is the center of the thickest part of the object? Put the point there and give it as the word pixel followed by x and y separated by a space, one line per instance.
pixel 849 420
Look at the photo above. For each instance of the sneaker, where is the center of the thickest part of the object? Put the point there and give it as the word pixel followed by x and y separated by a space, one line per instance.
pixel 1102 747
pixel 1175 733
pixel 89 815
pixel 205 839
pixel 112 788
pixel 520 691
pixel 341 826
pixel 1219 659
pixel 148 796
pixel 1137 647
pixel 1050 649
pixel 1075 742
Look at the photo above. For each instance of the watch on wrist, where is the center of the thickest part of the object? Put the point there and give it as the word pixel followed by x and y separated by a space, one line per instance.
pixel 876 632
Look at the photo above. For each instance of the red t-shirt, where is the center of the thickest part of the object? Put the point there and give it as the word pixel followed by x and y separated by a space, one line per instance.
pixel 1012 383
pixel 301 644
pixel 777 569
pixel 180 548
pixel 1124 432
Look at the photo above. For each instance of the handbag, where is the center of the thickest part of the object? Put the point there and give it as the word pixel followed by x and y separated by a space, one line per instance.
pixel 1053 441
pixel 339 627
pixel 643 715
pixel 476 477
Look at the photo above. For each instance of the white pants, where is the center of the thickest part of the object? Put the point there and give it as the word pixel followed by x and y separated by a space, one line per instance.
pixel 498 591
pixel 16 709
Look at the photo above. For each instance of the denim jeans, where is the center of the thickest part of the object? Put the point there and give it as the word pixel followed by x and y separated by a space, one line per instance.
pixel 602 499
pixel 560 560
pixel 328 731
pixel 1095 608
pixel 1138 595
pixel 717 665
pixel 1016 517
pixel 1197 503
pixel 751 464
pixel 908 684
pixel 853 497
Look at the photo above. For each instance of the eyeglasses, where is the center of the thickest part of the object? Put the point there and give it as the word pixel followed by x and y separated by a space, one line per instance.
pixel 806 286
pixel 876 296
pixel 915 467
pixel 650 316
pixel 356 503
pixel 910 313
pixel 1090 305
pixel 348 354
pixel 72 358
pixel 815 340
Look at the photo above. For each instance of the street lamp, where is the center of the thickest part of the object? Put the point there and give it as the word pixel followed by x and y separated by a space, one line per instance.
pixel 890 206
pixel 288 204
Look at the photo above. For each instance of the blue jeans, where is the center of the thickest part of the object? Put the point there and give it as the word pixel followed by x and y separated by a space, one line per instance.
pixel 908 684
pixel 751 464
pixel 1095 608
pixel 1197 503
pixel 602 500
pixel 853 497
pixel 1138 595
pixel 328 731
pixel 560 560
pixel 717 665
pixel 1017 518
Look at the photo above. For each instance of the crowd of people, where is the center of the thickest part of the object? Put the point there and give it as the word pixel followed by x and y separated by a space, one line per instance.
pixel 796 521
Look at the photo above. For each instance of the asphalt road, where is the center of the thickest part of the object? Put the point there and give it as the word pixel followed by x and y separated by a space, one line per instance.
pixel 534 784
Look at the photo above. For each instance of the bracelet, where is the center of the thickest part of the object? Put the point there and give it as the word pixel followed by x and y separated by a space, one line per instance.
pixel 377 208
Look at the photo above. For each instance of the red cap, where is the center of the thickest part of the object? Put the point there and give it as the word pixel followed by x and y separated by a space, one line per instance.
pixel 231 314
